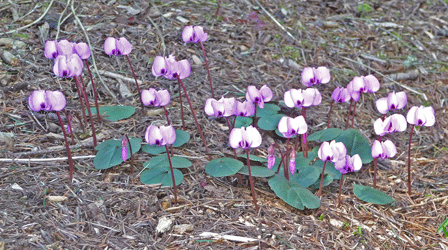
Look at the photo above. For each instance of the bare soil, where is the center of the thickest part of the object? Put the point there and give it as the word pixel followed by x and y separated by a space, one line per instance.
pixel 403 43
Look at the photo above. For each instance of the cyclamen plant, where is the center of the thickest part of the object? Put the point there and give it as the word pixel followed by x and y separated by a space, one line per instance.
pixel 52 101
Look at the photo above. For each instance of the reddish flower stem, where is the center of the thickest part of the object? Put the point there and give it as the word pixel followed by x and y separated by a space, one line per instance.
pixel 195 118
pixel 71 166
pixel 349 114
pixel 304 136
pixel 136 83
pixel 254 121
pixel 130 150
pixel 340 189
pixel 230 129
pixel 329 114
pixel 82 107
pixel 354 113
pixel 166 114
pixel 282 158
pixel 94 91
pixel 375 163
pixel 252 189
pixel 319 193
pixel 208 71
pixel 181 106
pixel 172 174
pixel 409 160
pixel 69 126
pixel 86 100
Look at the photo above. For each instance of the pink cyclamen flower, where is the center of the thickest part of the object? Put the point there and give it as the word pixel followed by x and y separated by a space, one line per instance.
pixel 421 116
pixel 292 162
pixel 82 50
pixel 124 149
pixel 362 84
pixel 194 34
pixel 244 109
pixel 224 107
pixel 349 164
pixel 65 47
pixel 117 47
pixel 245 137
pixel 47 100
pixel 271 157
pixel 155 98
pixel 170 68
pixel 312 76
pixel 68 66
pixel 333 151
pixel 302 98
pixel 292 126
pixel 165 135
pixel 384 149
pixel 391 102
pixel 392 124
pixel 51 49
pixel 259 96
pixel 340 95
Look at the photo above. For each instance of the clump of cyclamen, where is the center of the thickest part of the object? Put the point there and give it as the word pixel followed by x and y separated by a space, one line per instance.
pixel 357 86
pixel 330 151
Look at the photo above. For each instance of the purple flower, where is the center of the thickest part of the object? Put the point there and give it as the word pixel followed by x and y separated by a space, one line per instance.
pixel 194 34
pixel 245 137
pixel 117 47
pixel 292 162
pixel 349 164
pixel 290 127
pixel 340 95
pixel 245 109
pixel 170 68
pixel 68 66
pixel 313 76
pixel 162 136
pixel 65 48
pixel 224 107
pixel 302 98
pixel 51 49
pixel 363 84
pixel 155 98
pixel 421 116
pixel 391 102
pixel 47 100
pixel 82 50
pixel 392 124
pixel 124 149
pixel 384 149
pixel 271 157
pixel 259 96
pixel 333 151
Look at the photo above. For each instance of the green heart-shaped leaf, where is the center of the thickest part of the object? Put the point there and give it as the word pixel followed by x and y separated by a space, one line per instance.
pixel 257 171
pixel 109 152
pixel 162 161
pixel 223 167
pixel 325 135
pixel 372 195
pixel 269 123
pixel 114 113
pixel 161 175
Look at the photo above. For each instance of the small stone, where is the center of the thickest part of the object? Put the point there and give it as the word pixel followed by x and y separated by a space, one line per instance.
pixel 181 229
pixel 164 224
pixel 293 64
pixel 196 60
pixel 182 19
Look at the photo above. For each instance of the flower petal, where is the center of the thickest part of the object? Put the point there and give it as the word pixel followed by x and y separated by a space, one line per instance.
pixel 37 100
pixel 56 99
pixel 187 34
pixel 307 76
pixel 110 46
pixel 323 75
pixel 235 137
pixel 124 47
pixel 382 106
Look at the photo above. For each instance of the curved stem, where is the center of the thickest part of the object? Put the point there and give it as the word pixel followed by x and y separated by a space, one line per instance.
pixel 319 193
pixel 166 114
pixel 208 71
pixel 409 160
pixel 375 163
pixel 252 189
pixel 94 92
pixel 172 174
pixel 69 126
pixel 136 83
pixel 354 113
pixel 181 106
pixel 254 121
pixel 195 118
pixel 340 189
pixel 82 107
pixel 230 129
pixel 349 114
pixel 329 114
pixel 86 100
pixel 71 166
